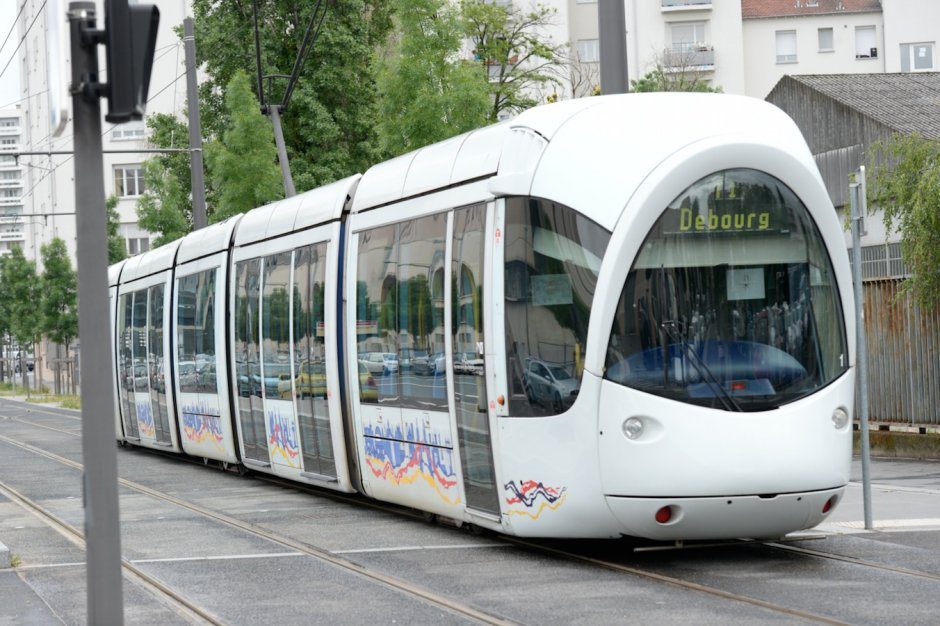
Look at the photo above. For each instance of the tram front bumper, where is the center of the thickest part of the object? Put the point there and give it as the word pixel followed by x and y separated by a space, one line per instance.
pixel 723 517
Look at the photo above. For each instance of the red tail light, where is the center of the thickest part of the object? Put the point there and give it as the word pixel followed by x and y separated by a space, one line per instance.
pixel 828 505
pixel 664 514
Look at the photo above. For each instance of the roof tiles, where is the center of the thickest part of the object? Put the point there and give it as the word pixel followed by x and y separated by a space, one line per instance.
pixel 755 9
pixel 907 103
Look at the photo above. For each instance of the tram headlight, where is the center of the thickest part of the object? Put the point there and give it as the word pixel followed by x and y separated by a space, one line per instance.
pixel 840 417
pixel 632 427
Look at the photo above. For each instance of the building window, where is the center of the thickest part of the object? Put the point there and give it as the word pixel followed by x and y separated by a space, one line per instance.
pixel 137 245
pixel 866 46
pixel 128 131
pixel 825 40
pixel 786 46
pixel 917 57
pixel 589 50
pixel 128 181
pixel 687 35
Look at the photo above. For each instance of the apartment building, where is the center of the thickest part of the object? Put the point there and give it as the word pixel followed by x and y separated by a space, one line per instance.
pixel 49 180
pixel 701 36
pixel 11 182
pixel 787 37
pixel 912 28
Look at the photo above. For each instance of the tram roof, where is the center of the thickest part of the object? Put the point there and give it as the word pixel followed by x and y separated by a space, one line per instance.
pixel 571 151
pixel 114 272
pixel 305 210
pixel 150 262
pixel 207 241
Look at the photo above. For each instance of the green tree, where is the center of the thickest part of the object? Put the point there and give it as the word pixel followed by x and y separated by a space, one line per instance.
pixel 59 302
pixel 24 292
pixel 514 56
pixel 6 314
pixel 329 128
pixel 166 206
pixel 428 92
pixel 676 79
pixel 905 184
pixel 243 164
pixel 117 251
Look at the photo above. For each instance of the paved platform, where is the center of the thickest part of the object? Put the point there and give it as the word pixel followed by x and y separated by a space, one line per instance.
pixel 241 578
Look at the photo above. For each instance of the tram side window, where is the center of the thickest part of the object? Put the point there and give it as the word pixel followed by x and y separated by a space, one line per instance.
pixel 206 375
pixel 139 341
pixel 552 257
pixel 186 333
pixel 421 312
pixel 377 315
pixel 275 327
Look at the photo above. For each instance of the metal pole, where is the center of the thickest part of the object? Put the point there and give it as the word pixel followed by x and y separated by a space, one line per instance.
pixel 195 128
pixel 102 528
pixel 612 31
pixel 862 344
pixel 281 151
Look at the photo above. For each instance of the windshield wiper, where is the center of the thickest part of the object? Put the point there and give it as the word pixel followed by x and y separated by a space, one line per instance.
pixel 671 327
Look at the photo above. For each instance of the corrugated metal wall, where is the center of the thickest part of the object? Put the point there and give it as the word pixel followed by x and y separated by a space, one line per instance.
pixel 903 356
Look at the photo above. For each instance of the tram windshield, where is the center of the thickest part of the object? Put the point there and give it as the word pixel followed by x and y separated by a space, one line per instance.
pixel 731 302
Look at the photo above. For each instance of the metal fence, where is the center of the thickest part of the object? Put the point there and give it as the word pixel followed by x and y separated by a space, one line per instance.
pixel 903 356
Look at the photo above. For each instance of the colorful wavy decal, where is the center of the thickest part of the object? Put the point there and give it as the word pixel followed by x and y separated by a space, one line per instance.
pixel 200 425
pixel 282 441
pixel 145 419
pixel 534 498
pixel 401 463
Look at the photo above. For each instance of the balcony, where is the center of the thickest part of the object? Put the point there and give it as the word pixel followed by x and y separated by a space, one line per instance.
pixel 8 201
pixel 699 57
pixel 11 184
pixel 17 235
pixel 686 5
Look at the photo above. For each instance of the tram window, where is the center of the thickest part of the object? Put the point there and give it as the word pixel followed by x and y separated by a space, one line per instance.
pixel 155 364
pixel 552 258
pixel 127 365
pixel 275 326
pixel 377 315
pixel 206 375
pixel 186 333
pixel 421 312
pixel 139 341
pixel 731 302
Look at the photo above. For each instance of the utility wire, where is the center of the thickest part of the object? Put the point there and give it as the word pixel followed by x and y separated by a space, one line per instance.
pixel 12 26
pixel 23 38
pixel 305 47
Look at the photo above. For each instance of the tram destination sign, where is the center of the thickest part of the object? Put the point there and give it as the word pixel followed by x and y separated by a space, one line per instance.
pixel 727 217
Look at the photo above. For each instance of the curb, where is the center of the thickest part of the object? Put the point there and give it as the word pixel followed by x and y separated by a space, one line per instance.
pixel 903 442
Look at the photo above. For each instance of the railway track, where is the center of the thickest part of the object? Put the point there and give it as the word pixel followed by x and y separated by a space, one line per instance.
pixel 441 601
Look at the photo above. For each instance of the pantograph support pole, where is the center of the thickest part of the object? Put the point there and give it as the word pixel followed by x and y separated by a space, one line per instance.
pixel 195 129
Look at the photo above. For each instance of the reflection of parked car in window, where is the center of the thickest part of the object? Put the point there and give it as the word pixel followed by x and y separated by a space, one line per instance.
pixel 409 357
pixel 368 390
pixel 373 361
pixel 311 381
pixel 274 375
pixel 550 385
pixel 206 377
pixel 468 363
pixel 188 376
pixel 424 364
pixel 390 360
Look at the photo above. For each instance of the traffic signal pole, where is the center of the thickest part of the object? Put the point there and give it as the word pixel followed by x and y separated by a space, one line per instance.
pixel 102 527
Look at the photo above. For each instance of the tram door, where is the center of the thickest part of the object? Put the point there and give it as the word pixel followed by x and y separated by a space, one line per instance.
pixel 470 398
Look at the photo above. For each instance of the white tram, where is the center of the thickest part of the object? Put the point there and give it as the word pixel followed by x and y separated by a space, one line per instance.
pixel 612 316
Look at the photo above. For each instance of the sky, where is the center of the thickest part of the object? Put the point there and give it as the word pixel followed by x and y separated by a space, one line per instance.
pixel 10 81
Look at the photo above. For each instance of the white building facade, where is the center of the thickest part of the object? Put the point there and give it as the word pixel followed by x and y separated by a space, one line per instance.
pixel 912 29
pixel 11 182
pixel 810 37
pixel 49 180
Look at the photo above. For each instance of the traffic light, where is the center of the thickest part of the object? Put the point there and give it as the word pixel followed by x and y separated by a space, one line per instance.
pixel 130 39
